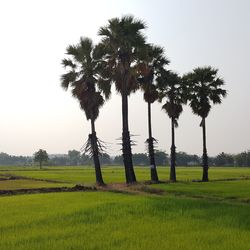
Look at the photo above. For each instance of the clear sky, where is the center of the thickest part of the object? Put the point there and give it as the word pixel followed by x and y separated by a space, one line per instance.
pixel 36 113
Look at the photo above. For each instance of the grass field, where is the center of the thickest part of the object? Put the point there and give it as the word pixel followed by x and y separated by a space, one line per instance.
pixel 185 215
pixel 85 175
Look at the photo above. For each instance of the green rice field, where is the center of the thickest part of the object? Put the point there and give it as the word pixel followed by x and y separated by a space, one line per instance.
pixel 182 215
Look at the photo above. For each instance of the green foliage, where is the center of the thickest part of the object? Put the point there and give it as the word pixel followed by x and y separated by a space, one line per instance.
pixel 105 159
pixel 161 158
pixel 41 156
pixel 243 159
pixel 74 157
pixel 6 159
pixel 140 159
pixel 224 159
pixel 184 159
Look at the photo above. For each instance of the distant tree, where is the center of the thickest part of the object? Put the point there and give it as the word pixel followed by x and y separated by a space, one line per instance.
pixel 243 159
pixel 224 159
pixel 161 158
pixel 5 159
pixel 74 157
pixel 204 87
pixel 184 159
pixel 41 157
pixel 59 161
pixel 85 159
pixel 140 159
pixel 105 159
pixel 118 160
pixel 11 160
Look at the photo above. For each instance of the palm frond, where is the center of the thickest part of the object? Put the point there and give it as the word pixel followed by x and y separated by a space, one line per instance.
pixel 68 63
pixel 88 149
pixel 68 78
pixel 105 86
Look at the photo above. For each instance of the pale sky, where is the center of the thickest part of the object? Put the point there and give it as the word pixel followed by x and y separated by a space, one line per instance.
pixel 36 113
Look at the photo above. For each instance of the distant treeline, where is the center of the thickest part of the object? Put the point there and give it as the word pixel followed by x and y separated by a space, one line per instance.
pixel 74 157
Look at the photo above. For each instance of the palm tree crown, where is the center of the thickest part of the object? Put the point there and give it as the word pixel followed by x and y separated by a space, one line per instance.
pixel 119 48
pixel 173 91
pixel 204 87
pixel 152 61
pixel 82 77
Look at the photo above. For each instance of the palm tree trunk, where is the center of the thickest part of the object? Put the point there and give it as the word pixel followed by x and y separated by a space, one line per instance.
pixel 173 154
pixel 204 156
pixel 153 171
pixel 126 143
pixel 94 146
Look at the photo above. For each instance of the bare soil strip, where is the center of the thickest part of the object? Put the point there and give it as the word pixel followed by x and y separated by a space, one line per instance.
pixel 227 179
pixel 7 177
pixel 47 190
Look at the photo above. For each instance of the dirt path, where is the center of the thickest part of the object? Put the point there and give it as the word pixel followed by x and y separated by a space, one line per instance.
pixel 77 188
pixel 7 177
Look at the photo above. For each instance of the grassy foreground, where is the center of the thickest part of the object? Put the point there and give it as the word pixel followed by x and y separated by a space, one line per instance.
pixel 186 215
pixel 97 220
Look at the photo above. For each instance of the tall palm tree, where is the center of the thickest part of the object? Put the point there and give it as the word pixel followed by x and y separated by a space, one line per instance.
pixel 152 61
pixel 204 87
pixel 172 90
pixel 82 78
pixel 121 40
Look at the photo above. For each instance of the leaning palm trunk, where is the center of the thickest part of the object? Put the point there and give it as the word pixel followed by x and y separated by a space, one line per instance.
pixel 173 154
pixel 95 152
pixel 126 142
pixel 154 175
pixel 204 156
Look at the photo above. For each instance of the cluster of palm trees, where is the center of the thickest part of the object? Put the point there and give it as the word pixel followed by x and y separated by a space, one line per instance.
pixel 124 58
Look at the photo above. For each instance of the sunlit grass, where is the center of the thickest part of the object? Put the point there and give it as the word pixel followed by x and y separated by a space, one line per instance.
pixel 105 220
pixel 114 221
pixel 85 175
pixel 238 190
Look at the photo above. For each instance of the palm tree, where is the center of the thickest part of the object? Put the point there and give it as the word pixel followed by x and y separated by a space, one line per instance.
pixel 121 40
pixel 151 64
pixel 172 90
pixel 82 77
pixel 204 87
